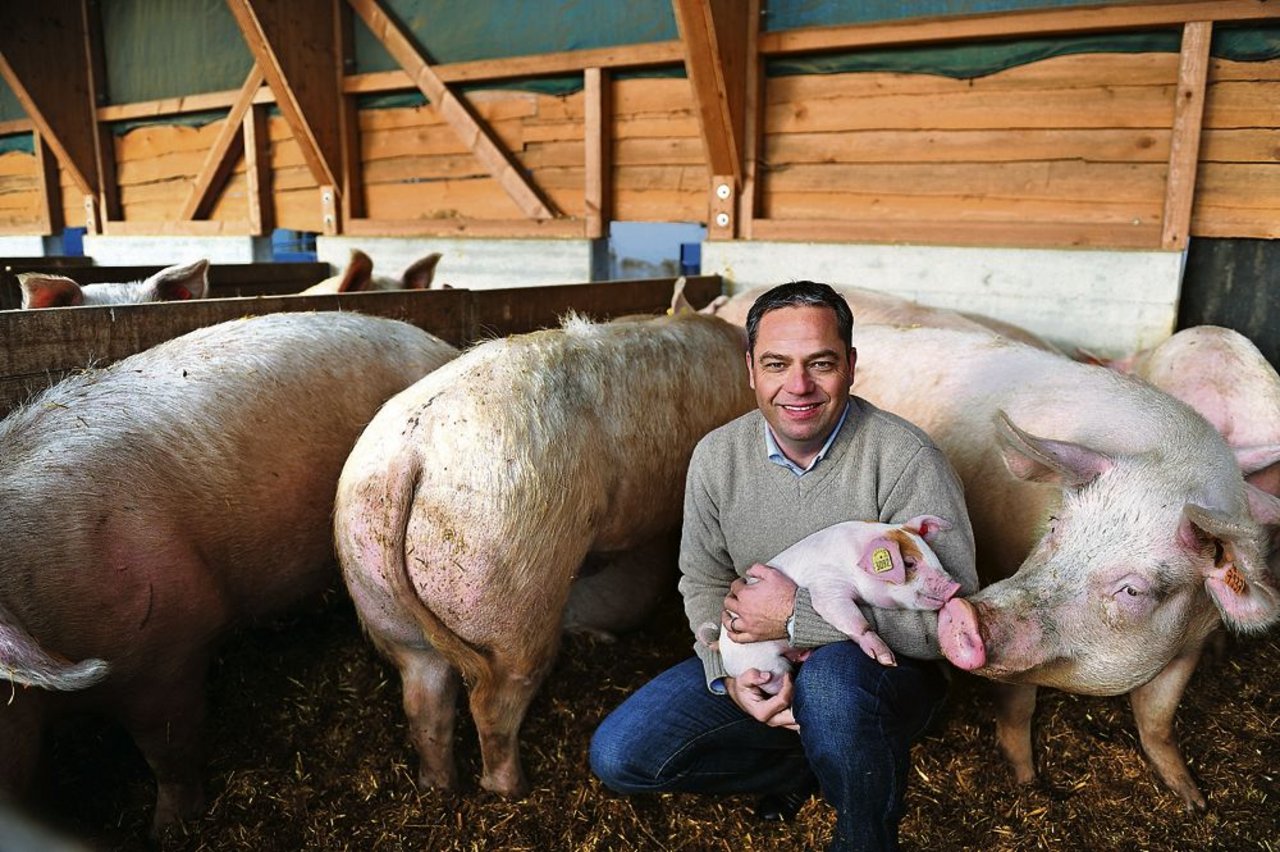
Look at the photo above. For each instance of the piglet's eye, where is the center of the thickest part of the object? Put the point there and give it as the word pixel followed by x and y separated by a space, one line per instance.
pixel 1131 591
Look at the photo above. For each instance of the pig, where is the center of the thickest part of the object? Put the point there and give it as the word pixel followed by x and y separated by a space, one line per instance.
pixel 874 307
pixel 884 565
pixel 358 277
pixel 1114 529
pixel 1223 376
pixel 474 496
pixel 171 284
pixel 150 506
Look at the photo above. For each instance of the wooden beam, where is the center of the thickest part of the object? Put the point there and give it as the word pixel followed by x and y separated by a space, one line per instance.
pixel 16 126
pixel 1086 19
pixel 1184 144
pixel 353 194
pixel 36 39
pixel 455 111
pixel 257 171
pixel 205 102
pixel 166 228
pixel 752 131
pixel 50 186
pixel 714 33
pixel 514 228
pixel 597 115
pixel 298 54
pixel 104 143
pixel 1028 234
pixel 223 154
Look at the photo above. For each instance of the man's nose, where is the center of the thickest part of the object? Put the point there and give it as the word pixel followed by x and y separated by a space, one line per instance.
pixel 798 381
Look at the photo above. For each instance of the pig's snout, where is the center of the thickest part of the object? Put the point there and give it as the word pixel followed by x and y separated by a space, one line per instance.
pixel 949 590
pixel 959 636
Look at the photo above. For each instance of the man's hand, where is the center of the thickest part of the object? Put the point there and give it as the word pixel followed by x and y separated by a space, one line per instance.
pixel 758 606
pixel 773 710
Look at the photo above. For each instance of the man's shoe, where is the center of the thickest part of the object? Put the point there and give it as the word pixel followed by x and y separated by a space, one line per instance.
pixel 781 807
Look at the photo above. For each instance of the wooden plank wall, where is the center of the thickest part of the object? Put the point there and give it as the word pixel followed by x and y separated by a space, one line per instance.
pixel 20 199
pixel 1073 150
pixel 42 346
pixel 1238 186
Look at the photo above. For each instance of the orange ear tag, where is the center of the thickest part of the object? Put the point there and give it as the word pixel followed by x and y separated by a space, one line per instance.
pixel 1234 580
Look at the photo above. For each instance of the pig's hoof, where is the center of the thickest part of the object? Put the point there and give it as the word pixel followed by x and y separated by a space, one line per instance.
pixel 435 779
pixel 1191 797
pixel 507 787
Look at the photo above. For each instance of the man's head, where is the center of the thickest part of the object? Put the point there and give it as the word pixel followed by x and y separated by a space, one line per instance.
pixel 800 362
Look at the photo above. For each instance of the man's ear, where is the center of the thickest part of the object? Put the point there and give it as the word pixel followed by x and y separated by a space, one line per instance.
pixel 751 374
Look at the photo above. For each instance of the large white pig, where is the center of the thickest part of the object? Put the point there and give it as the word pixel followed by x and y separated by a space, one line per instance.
pixel 171 284
pixel 473 497
pixel 149 506
pixel 874 307
pixel 1121 510
pixel 1223 376
pixel 358 277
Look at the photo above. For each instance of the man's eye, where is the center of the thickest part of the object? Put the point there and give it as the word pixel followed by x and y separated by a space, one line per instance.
pixel 823 366
pixel 773 366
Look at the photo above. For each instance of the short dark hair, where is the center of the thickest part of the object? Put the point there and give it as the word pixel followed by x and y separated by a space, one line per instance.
pixel 795 294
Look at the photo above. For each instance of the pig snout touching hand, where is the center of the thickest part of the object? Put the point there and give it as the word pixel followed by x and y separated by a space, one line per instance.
pixel 881 565
pixel 171 284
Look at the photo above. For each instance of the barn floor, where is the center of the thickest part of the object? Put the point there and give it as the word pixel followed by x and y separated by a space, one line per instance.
pixel 308 751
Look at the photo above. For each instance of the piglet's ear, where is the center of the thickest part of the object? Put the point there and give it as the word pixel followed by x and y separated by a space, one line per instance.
pixel 1043 460
pixel 1237 578
pixel 679 303
pixel 1263 508
pixel 882 559
pixel 1256 458
pixel 49 291
pixel 927 526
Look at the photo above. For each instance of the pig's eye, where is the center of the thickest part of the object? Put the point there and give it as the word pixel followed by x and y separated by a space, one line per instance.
pixel 1131 591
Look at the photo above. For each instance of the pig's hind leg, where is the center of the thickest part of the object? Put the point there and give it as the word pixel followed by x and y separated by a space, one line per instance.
pixel 835 602
pixel 1015 705
pixel 430 687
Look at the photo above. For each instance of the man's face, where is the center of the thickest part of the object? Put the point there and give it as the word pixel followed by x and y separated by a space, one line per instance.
pixel 801 372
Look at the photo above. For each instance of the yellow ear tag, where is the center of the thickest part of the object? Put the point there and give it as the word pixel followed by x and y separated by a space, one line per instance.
pixel 881 561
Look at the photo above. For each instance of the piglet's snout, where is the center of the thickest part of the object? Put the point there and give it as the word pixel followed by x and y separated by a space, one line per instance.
pixel 959 636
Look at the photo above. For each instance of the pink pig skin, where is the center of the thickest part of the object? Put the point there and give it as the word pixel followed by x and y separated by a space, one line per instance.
pixel 1114 529
pixel 836 565
pixel 150 506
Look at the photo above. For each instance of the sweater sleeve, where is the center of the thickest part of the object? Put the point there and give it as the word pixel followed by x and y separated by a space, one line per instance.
pixel 928 486
pixel 706 570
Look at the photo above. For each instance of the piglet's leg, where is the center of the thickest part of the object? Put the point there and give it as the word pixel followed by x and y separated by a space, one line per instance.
pixel 835 603
pixel 1154 704
pixel 430 687
pixel 1015 704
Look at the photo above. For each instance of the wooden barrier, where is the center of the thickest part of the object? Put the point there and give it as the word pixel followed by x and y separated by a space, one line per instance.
pixel 42 346
pixel 225 279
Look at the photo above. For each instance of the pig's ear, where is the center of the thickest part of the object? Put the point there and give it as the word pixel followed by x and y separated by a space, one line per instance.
pixel 420 274
pixel 49 291
pixel 927 526
pixel 182 282
pixel 1044 460
pixel 1263 507
pixel 358 274
pixel 882 559
pixel 679 304
pixel 1238 579
pixel 713 307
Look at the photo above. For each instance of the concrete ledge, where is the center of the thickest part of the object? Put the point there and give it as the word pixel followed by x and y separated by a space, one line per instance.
pixel 474 264
pixel 1110 302
pixel 167 250
pixel 29 245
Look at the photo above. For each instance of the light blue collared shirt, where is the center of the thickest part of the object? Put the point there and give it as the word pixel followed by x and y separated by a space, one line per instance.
pixel 779 458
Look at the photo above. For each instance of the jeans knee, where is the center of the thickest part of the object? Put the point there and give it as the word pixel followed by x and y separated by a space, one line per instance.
pixel 614 762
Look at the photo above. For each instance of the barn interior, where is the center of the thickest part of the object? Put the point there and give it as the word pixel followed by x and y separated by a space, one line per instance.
pixel 1101 174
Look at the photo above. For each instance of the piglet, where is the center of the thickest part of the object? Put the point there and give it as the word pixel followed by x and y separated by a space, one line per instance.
pixel 884 565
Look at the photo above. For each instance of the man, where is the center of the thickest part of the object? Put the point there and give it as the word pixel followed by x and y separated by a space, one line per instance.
pixel 809 457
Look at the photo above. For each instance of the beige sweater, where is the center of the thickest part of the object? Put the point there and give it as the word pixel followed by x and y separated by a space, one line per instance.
pixel 741 508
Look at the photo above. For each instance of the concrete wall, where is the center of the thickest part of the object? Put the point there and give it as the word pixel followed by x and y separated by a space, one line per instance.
pixel 1110 302
pixel 474 264
pixel 29 245
pixel 166 251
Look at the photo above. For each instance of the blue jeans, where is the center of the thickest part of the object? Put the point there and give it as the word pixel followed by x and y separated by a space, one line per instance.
pixel 857 722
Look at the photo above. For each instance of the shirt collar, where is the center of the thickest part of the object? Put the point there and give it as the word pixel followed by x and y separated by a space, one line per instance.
pixel 776 455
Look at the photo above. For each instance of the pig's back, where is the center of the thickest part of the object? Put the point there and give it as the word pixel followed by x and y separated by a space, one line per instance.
pixel 216 452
